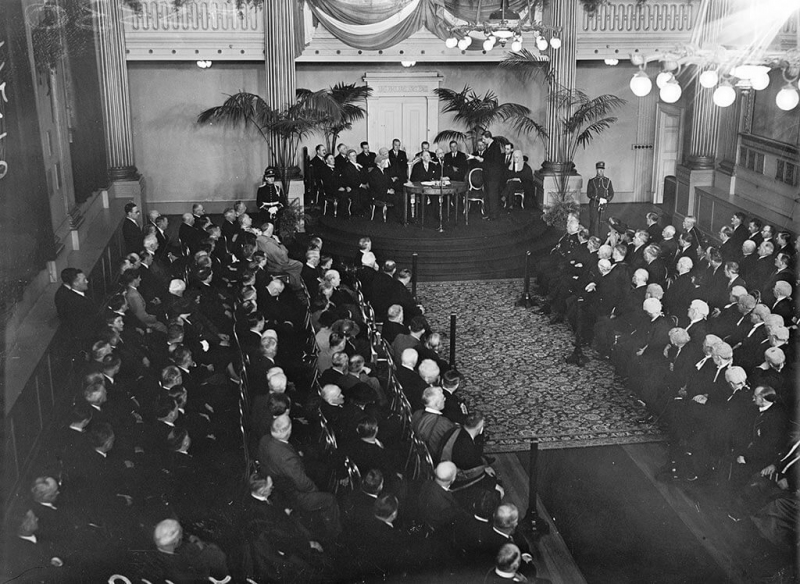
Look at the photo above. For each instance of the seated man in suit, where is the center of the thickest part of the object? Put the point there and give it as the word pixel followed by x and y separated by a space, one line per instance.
pixel 366 158
pixel 408 378
pixel 518 179
pixel 75 308
pixel 279 544
pixel 278 260
pixel 425 170
pixel 394 324
pixel 189 560
pixel 381 187
pixel 354 179
pixel 282 462
pixel 437 507
pixel 429 424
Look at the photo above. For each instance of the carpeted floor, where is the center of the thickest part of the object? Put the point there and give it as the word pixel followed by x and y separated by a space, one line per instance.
pixel 514 372
pixel 617 526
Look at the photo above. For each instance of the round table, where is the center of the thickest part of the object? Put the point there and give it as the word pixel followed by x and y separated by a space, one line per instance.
pixel 454 190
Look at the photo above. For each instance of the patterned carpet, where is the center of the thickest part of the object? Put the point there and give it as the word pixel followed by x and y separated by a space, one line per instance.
pixel 514 372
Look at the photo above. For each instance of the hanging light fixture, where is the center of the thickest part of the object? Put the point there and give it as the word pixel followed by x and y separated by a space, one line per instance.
pixel 663 78
pixel 709 78
pixel 641 84
pixel 787 98
pixel 724 95
pixel 504 26
pixel 671 92
pixel 726 70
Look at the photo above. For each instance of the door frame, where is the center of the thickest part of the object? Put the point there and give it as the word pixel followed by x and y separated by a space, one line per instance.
pixel 407 84
pixel 663 112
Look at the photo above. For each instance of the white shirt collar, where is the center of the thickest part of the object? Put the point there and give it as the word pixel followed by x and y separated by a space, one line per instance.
pixel 506 575
pixel 30 538
pixel 765 407
pixel 432 411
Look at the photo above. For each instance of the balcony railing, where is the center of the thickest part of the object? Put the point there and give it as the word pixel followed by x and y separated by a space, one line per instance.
pixel 214 29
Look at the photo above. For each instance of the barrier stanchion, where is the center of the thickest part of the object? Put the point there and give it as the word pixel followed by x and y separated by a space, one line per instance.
pixel 525 301
pixel 532 524
pixel 453 341
pixel 414 259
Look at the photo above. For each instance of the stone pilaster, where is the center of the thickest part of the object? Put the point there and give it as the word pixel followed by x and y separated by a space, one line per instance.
pixel 110 41
pixel 563 14
pixel 279 54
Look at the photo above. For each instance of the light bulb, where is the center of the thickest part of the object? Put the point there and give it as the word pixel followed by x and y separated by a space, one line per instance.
pixel 516 46
pixel 663 78
pixel 541 44
pixel 611 62
pixel 468 39
pixel 709 79
pixel 641 84
pixel 724 95
pixel 555 42
pixel 787 98
pixel 760 82
pixel 463 44
pixel 487 45
pixel 451 43
pixel 671 92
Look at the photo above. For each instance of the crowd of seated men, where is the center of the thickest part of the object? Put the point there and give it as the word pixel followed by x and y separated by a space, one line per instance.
pixel 237 414
pixel 704 335
pixel 354 182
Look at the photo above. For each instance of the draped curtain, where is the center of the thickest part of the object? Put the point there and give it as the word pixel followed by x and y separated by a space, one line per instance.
pixel 379 24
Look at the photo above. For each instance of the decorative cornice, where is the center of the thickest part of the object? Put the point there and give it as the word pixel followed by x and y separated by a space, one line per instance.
pixel 216 30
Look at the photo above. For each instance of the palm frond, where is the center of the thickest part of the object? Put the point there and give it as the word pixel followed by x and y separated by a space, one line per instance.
pixel 592 131
pixel 590 110
pixel 527 125
pixel 454 101
pixel 510 111
pixel 240 109
pixel 450 135
pixel 527 65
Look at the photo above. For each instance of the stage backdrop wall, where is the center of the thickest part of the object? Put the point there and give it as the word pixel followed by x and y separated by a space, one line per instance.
pixel 182 162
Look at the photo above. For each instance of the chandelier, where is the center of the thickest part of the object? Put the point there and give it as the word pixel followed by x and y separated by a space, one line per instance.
pixel 752 39
pixel 504 26
pixel 721 70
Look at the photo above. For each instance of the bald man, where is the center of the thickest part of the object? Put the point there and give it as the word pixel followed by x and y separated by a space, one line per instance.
pixel 187 234
pixel 185 561
pixel 437 507
pixel 282 462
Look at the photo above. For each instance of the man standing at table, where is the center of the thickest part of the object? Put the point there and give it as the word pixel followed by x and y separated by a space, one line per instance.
pixel 600 192
pixel 493 174
pixel 398 163
pixel 455 163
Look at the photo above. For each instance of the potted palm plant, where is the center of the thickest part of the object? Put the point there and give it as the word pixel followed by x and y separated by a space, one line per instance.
pixel 282 129
pixel 582 119
pixel 348 98
pixel 478 112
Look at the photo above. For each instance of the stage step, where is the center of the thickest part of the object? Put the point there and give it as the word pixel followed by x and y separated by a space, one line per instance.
pixel 482 250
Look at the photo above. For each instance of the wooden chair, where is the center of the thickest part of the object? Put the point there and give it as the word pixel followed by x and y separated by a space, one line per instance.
pixel 384 207
pixel 475 192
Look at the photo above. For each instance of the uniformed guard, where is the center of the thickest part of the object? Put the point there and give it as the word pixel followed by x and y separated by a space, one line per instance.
pixel 270 197
pixel 600 192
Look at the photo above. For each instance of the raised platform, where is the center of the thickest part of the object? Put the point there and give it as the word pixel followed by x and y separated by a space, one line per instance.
pixel 480 250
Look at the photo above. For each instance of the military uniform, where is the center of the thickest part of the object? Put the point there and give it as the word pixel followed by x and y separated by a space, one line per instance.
pixel 599 187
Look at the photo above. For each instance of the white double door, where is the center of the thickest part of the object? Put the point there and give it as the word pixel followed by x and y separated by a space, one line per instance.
pixel 398 117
